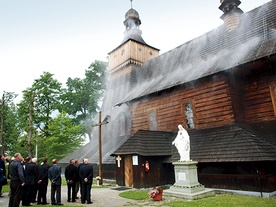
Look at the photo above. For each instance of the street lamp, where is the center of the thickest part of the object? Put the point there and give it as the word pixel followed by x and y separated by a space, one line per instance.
pixel 105 121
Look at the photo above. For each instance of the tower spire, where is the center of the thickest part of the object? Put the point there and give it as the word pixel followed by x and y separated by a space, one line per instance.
pixel 131 3
pixel 231 13
pixel 132 23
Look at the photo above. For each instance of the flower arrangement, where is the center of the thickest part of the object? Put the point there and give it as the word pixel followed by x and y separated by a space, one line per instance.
pixel 155 191
pixel 98 179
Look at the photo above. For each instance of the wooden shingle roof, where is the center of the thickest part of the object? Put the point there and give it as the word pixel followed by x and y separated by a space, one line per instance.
pixel 147 143
pixel 231 143
pixel 213 52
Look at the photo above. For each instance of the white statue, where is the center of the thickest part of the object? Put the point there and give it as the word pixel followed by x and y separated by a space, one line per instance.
pixel 182 143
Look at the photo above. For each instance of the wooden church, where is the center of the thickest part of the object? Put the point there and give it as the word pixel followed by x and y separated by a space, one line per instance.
pixel 220 86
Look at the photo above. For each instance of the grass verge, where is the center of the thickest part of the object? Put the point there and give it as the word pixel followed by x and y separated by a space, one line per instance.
pixel 221 200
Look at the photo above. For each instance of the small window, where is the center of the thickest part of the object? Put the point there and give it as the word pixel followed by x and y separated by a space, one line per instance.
pixel 189 115
pixel 152 120
pixel 122 125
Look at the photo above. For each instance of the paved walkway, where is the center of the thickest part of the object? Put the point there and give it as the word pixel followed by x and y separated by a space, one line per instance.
pixel 101 197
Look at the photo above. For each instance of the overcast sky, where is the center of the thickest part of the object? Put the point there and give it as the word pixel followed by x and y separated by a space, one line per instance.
pixel 65 36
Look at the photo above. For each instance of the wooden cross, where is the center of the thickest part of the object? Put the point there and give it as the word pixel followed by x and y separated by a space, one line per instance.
pixel 118 158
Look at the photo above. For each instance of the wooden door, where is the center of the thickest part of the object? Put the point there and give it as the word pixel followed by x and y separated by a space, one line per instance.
pixel 128 171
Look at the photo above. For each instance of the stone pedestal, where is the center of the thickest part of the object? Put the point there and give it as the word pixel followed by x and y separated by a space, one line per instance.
pixel 186 182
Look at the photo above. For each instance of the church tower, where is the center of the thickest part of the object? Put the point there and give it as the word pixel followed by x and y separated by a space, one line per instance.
pixel 231 13
pixel 133 51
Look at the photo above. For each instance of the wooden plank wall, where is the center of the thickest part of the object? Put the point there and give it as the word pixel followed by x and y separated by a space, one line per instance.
pixel 131 51
pixel 211 106
pixel 236 94
pixel 159 173
pixel 256 99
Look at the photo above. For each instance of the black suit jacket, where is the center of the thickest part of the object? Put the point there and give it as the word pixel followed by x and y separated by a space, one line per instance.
pixel 86 171
pixel 30 173
pixel 71 172
pixel 43 173
pixel 2 165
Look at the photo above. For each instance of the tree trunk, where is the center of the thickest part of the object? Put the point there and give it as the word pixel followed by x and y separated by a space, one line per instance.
pixel 30 131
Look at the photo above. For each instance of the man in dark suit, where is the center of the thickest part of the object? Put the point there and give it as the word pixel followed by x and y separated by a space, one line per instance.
pixel 30 174
pixel 17 180
pixel 86 177
pixel 71 178
pixel 77 164
pixel 54 175
pixel 35 189
pixel 3 170
pixel 42 182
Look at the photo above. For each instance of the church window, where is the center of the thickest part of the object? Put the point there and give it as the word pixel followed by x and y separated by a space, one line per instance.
pixel 189 115
pixel 122 125
pixel 273 96
pixel 152 120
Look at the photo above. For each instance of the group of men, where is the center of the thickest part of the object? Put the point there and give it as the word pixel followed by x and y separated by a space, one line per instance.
pixel 82 173
pixel 29 181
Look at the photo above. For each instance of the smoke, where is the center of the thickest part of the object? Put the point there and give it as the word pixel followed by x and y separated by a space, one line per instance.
pixel 213 52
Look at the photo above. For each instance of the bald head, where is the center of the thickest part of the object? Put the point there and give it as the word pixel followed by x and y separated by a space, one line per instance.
pixel 85 161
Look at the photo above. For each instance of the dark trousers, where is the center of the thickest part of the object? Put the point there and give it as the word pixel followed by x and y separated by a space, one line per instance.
pixel 55 194
pixel 27 192
pixel 34 193
pixel 42 194
pixel 71 191
pixel 15 193
pixel 81 188
pixel 77 188
pixel 85 192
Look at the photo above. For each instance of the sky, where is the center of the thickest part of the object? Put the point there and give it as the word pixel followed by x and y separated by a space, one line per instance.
pixel 64 37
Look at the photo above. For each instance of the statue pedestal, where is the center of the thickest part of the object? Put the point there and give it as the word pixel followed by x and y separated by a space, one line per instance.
pixel 186 182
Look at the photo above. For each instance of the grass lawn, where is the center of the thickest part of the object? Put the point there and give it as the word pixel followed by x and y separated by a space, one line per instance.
pixel 6 188
pixel 135 194
pixel 224 200
pixel 227 200
pixel 221 200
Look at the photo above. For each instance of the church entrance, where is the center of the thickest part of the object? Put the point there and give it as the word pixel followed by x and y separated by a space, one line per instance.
pixel 128 171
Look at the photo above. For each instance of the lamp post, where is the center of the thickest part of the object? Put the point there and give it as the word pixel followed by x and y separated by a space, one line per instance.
pixel 105 121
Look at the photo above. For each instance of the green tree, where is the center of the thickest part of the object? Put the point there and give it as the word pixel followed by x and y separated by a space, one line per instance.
pixel 10 132
pixel 36 110
pixel 82 96
pixel 26 117
pixel 47 92
pixel 65 137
